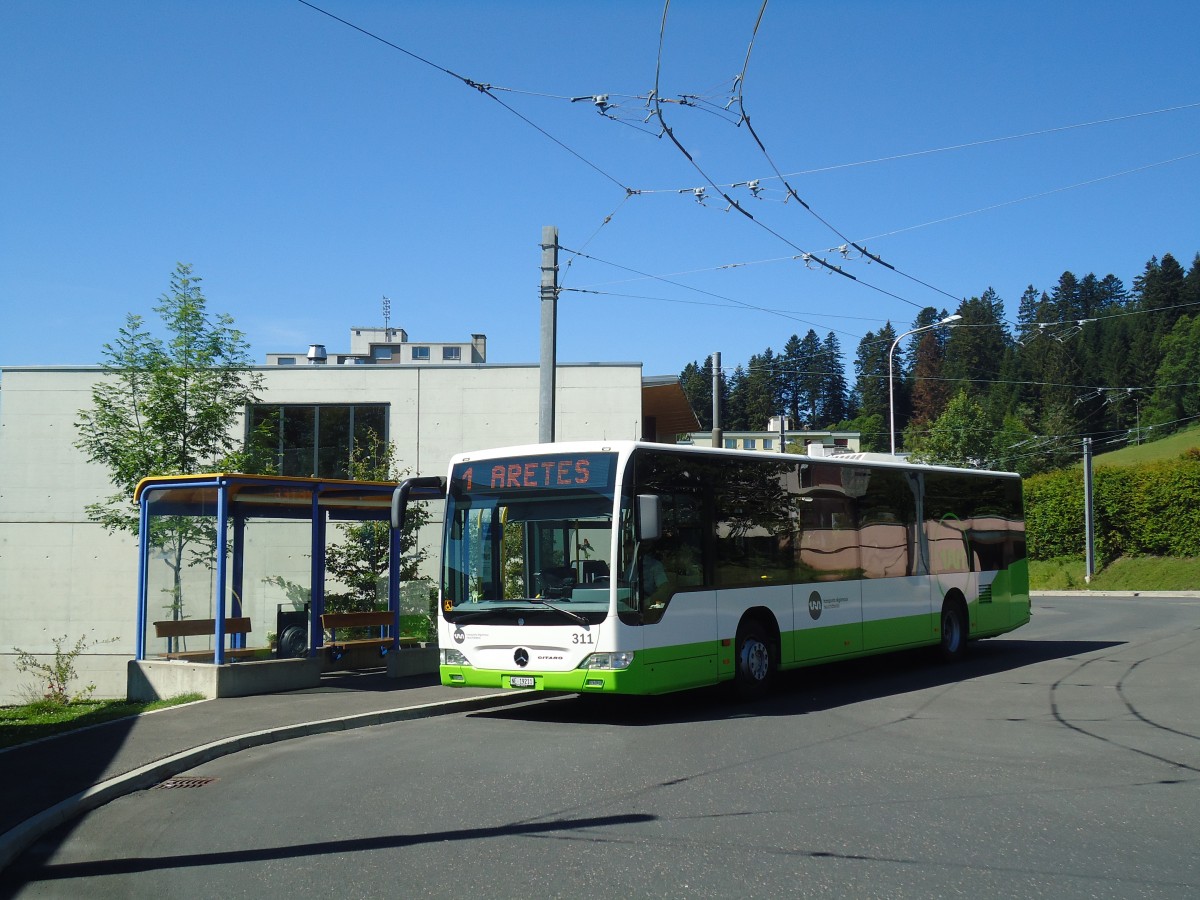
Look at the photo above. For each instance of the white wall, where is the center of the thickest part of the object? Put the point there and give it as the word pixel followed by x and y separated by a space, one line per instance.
pixel 61 575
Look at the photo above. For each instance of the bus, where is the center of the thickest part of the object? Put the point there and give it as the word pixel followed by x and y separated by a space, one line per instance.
pixel 627 567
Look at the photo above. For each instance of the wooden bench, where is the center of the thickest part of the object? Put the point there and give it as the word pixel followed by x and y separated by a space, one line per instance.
pixel 177 628
pixel 331 622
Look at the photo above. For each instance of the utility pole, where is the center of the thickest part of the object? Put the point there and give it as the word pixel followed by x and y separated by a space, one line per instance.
pixel 1089 527
pixel 717 434
pixel 549 303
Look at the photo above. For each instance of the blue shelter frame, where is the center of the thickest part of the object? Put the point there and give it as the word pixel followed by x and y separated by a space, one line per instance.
pixel 232 499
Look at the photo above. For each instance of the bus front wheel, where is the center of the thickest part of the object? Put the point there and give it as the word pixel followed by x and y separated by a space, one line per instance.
pixel 756 662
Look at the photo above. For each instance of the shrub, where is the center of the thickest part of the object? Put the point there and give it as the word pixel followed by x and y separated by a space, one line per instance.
pixel 57 676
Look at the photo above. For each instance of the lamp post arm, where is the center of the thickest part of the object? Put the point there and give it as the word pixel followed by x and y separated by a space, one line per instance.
pixel 949 321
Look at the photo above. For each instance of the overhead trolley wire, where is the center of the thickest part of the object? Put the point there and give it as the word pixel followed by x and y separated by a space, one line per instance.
pixel 486 89
pixel 745 119
pixel 806 255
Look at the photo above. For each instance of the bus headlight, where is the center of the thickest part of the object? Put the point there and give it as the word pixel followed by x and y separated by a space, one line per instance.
pixel 454 658
pixel 619 660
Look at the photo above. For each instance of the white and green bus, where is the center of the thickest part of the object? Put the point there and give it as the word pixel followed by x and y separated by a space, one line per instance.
pixel 637 568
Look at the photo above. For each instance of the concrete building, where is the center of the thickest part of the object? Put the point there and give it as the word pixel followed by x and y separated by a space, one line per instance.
pixel 774 438
pixel 371 346
pixel 62 575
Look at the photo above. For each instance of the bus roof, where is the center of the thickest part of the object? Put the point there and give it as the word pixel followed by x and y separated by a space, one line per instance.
pixel 627 446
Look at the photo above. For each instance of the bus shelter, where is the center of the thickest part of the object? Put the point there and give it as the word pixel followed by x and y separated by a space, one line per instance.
pixel 232 568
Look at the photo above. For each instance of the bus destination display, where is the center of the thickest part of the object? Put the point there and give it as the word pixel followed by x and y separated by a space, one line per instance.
pixel 589 471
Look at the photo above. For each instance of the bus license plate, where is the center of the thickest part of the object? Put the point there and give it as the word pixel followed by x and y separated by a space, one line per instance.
pixel 521 681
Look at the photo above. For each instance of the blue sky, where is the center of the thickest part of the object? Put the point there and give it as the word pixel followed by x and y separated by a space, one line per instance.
pixel 306 170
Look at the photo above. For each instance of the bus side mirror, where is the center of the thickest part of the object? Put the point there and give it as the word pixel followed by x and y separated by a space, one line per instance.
pixel 428 487
pixel 649 517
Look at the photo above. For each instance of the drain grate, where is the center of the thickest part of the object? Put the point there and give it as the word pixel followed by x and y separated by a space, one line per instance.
pixel 184 782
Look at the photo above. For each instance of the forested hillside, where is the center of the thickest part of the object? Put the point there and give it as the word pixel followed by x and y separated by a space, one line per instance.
pixel 1088 358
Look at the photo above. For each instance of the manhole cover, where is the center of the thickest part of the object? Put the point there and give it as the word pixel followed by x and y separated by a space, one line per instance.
pixel 185 782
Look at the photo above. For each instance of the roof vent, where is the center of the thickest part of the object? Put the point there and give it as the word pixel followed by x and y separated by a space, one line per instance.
pixel 317 355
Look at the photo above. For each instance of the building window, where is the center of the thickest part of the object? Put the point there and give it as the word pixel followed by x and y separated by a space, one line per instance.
pixel 286 360
pixel 420 354
pixel 451 354
pixel 768 444
pixel 314 440
pixel 749 444
pixel 730 443
pixel 381 352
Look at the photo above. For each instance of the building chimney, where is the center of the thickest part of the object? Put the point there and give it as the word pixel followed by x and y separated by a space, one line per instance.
pixel 317 355
pixel 479 348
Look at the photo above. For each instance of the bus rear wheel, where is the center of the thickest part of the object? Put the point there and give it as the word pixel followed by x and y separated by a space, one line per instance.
pixel 756 662
pixel 954 631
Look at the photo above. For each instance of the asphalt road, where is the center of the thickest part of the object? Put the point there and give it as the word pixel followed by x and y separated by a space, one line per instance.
pixel 1062 760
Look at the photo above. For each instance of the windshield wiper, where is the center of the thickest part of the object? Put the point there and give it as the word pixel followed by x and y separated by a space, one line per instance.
pixel 471 615
pixel 573 616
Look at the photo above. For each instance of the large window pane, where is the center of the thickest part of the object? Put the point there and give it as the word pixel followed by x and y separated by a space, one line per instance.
pixel 370 433
pixel 313 440
pixel 333 441
pixel 299 424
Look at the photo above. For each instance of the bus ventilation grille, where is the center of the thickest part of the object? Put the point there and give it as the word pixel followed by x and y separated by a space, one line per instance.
pixel 985 594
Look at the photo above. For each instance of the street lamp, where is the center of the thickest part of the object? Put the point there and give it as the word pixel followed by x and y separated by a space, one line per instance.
pixel 949 321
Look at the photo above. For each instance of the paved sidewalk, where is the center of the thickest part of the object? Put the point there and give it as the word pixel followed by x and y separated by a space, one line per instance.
pixel 50 781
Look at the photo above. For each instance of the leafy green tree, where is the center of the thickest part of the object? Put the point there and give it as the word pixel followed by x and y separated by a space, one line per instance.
pixel 360 560
pixel 872 430
pixel 169 406
pixel 1014 447
pixel 1177 395
pixel 961 436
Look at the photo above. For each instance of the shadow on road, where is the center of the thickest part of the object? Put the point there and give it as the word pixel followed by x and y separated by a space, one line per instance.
pixel 804 690
pixel 30 871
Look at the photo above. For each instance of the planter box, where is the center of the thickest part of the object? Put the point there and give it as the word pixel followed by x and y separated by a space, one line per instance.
pixel 412 661
pixel 157 679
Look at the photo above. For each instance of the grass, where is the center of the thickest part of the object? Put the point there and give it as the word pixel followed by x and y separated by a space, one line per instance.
pixel 20 724
pixel 1126 574
pixel 1170 447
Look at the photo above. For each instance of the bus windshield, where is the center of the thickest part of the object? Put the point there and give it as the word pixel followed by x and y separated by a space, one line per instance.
pixel 529 537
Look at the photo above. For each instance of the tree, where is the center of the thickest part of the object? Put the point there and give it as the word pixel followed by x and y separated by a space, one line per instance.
pixel 809 378
pixel 361 559
pixel 1177 396
pixel 169 407
pixel 1013 447
pixel 975 346
pixel 833 405
pixel 697 383
pixel 871 371
pixel 930 392
pixel 961 436
pixel 793 366
pixel 758 391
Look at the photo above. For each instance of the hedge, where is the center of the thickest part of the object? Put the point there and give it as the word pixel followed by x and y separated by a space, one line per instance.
pixel 1151 509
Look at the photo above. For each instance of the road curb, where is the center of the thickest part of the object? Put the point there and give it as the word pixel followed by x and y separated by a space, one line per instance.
pixel 17 840
pixel 1146 595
